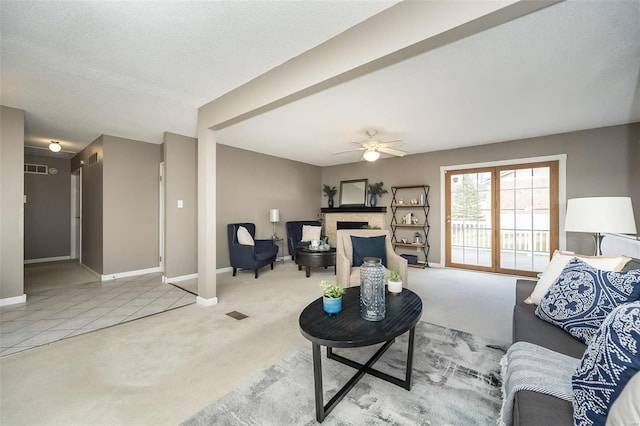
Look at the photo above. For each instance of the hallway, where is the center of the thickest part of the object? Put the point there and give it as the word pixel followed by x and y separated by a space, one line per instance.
pixel 65 300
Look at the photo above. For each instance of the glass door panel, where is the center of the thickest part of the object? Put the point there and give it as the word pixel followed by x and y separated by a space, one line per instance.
pixel 469 219
pixel 525 210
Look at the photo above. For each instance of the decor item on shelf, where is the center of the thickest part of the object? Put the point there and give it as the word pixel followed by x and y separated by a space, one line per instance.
pixel 418 238
pixel 599 215
pixel 330 192
pixel 372 294
pixel 54 146
pixel 395 283
pixel 274 217
pixel 376 190
pixel 331 297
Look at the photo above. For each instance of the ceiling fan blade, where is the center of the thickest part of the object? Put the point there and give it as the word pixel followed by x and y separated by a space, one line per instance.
pixel 395 152
pixel 348 150
pixel 391 143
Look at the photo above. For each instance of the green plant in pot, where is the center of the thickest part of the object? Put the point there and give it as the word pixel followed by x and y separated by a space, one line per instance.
pixel 395 282
pixel 376 190
pixel 417 238
pixel 330 192
pixel 331 297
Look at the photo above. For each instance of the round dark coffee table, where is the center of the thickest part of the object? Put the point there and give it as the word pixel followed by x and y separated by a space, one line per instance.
pixel 348 330
pixel 308 258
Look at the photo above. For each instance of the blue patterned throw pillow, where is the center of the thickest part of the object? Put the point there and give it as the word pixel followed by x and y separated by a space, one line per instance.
pixel 582 296
pixel 609 363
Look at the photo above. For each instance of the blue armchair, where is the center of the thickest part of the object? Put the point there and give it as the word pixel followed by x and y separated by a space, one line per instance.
pixel 294 235
pixel 245 256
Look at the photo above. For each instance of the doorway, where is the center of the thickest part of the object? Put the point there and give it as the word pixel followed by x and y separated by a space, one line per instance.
pixel 502 219
pixel 76 215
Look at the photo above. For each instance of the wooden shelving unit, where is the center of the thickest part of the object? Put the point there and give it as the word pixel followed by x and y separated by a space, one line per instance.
pixel 406 231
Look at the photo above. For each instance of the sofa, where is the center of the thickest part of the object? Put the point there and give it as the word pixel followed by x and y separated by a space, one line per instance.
pixel 532 408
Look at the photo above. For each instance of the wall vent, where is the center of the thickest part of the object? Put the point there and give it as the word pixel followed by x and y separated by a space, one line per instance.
pixel 93 159
pixel 36 169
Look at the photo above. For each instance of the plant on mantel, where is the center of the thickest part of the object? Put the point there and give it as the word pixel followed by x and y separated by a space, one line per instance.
pixel 376 190
pixel 329 191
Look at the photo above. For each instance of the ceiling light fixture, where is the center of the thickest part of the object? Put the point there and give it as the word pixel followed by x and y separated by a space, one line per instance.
pixel 371 155
pixel 55 146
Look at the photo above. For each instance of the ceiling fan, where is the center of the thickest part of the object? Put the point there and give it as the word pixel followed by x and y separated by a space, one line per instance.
pixel 373 147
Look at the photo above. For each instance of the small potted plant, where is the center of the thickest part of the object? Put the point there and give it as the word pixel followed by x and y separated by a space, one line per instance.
pixel 329 191
pixel 417 238
pixel 376 190
pixel 395 282
pixel 331 297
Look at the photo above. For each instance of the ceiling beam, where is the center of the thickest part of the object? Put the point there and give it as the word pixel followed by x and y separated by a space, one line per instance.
pixel 404 30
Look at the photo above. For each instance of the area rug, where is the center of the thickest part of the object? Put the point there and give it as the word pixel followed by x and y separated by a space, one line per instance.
pixel 456 381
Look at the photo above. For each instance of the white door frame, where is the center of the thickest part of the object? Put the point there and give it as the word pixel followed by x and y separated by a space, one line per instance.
pixel 76 215
pixel 161 219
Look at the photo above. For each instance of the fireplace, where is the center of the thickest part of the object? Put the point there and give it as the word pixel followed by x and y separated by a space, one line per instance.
pixel 351 225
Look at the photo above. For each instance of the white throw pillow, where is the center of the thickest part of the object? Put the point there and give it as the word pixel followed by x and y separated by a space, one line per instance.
pixel 244 237
pixel 626 408
pixel 310 232
pixel 558 263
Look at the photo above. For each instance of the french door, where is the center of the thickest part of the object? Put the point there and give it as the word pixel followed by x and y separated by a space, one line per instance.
pixel 502 219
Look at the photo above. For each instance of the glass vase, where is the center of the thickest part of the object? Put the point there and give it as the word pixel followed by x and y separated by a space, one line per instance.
pixel 372 293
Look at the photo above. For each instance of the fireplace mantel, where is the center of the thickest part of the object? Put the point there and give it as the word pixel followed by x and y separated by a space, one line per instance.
pixel 354 209
pixel 374 216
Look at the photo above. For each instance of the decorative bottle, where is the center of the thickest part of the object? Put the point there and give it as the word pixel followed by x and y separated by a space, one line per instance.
pixel 372 292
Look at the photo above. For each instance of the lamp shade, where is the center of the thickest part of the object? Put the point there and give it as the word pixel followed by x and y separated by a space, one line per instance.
pixel 274 215
pixel 54 146
pixel 612 215
pixel 371 155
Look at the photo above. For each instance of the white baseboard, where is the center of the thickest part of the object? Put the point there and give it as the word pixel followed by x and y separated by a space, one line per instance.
pixel 13 300
pixel 221 270
pixel 47 259
pixel 91 271
pixel 128 274
pixel 206 302
pixel 181 278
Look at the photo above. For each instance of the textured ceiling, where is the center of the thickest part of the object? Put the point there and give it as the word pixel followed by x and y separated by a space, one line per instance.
pixel 81 69
pixel 136 69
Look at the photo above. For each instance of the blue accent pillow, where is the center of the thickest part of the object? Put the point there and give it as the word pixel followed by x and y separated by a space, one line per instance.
pixel 610 361
pixel 368 247
pixel 582 296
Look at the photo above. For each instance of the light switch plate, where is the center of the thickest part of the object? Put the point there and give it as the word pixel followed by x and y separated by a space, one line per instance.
pixel 180 204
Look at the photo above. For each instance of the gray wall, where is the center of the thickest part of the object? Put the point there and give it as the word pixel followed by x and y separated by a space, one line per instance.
pixel 11 205
pixel 92 213
pixel 600 162
pixel 181 225
pixel 250 184
pixel 130 205
pixel 47 213
pixel 120 211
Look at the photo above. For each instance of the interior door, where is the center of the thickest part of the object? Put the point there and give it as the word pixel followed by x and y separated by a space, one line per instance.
pixel 502 219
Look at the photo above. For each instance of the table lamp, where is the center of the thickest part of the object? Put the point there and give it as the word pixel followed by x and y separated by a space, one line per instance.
pixel 274 217
pixel 599 215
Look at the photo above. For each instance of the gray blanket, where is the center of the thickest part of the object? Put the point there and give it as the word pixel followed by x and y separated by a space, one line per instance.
pixel 530 367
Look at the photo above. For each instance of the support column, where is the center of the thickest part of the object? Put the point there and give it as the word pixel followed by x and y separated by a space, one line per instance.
pixel 206 216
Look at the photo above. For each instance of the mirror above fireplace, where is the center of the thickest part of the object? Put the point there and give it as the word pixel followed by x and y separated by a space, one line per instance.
pixel 353 192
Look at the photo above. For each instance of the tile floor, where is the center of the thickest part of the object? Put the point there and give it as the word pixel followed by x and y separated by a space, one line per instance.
pixel 55 314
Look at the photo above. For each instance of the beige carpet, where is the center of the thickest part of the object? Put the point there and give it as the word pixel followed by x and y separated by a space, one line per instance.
pixel 163 369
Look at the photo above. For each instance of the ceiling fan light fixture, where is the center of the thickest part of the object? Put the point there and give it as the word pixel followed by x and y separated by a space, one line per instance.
pixel 371 155
pixel 55 146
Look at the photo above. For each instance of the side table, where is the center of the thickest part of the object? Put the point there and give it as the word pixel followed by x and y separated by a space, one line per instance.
pixel 280 243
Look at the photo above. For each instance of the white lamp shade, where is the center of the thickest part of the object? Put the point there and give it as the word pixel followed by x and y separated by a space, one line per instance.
pixel 55 146
pixel 274 215
pixel 601 215
pixel 371 155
